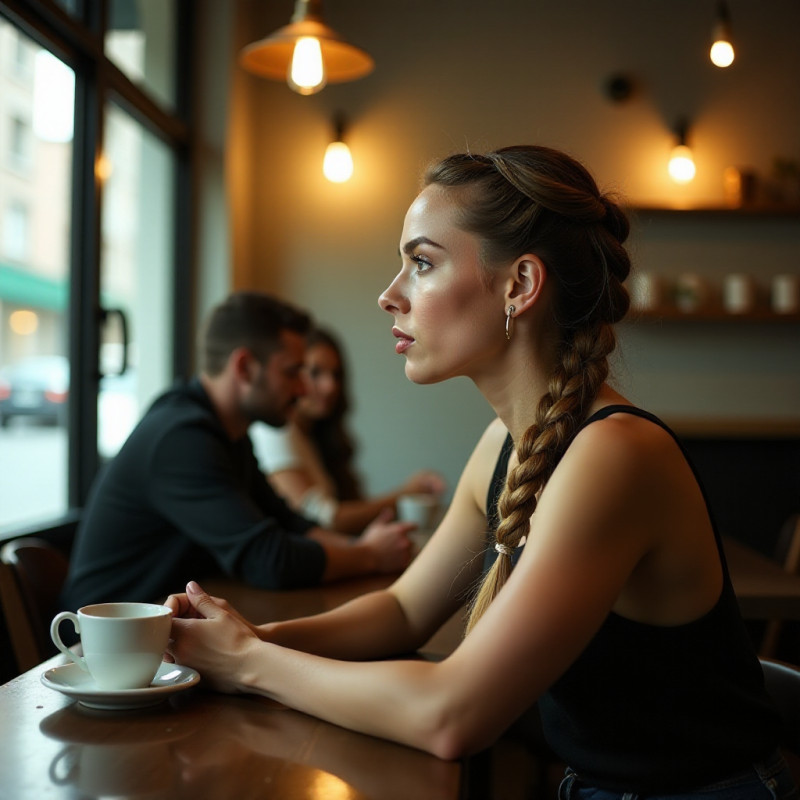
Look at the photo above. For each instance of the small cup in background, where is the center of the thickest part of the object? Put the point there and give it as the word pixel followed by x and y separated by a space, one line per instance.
pixel 646 291
pixel 738 293
pixel 691 292
pixel 123 643
pixel 423 511
pixel 740 186
pixel 420 509
pixel 785 294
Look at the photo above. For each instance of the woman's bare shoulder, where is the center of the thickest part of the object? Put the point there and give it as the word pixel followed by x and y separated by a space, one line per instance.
pixel 631 438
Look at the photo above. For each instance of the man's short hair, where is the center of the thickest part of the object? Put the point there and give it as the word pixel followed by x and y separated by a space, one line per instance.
pixel 247 319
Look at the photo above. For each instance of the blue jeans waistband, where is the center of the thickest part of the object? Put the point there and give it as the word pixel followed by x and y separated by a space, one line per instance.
pixel 768 779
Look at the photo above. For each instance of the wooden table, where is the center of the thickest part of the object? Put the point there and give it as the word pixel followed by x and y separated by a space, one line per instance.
pixel 202 745
pixel 198 745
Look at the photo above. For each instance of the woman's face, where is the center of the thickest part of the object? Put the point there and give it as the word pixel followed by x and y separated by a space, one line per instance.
pixel 447 321
pixel 322 371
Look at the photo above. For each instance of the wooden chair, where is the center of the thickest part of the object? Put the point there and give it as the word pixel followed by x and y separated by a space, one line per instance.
pixel 788 552
pixel 32 572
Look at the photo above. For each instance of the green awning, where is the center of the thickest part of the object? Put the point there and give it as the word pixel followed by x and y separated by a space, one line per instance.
pixel 30 289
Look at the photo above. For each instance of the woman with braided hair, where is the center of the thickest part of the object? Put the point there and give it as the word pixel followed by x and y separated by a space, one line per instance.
pixel 603 592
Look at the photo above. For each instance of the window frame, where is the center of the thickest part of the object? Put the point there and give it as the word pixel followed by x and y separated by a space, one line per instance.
pixel 79 42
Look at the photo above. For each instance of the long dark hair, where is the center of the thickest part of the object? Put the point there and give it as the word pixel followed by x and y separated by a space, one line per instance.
pixel 330 435
pixel 531 199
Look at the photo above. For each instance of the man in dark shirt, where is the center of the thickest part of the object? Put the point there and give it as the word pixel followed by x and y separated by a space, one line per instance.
pixel 184 498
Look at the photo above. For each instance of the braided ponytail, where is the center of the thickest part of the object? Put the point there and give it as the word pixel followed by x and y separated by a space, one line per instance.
pixel 538 200
pixel 573 387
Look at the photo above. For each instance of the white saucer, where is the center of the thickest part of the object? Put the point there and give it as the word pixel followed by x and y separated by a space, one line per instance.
pixel 71 680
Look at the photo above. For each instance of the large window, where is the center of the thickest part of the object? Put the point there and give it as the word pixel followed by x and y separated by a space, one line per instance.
pixel 95 143
pixel 35 189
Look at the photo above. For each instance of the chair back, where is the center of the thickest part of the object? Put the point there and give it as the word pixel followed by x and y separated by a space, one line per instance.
pixel 33 572
pixel 783 686
pixel 787 551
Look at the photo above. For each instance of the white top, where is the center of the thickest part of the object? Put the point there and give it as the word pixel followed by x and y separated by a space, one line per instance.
pixel 279 449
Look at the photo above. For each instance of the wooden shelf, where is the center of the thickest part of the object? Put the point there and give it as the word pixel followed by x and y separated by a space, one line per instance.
pixel 734 427
pixel 712 314
pixel 790 212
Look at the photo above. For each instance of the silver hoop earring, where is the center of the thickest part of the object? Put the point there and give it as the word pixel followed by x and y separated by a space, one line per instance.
pixel 509 322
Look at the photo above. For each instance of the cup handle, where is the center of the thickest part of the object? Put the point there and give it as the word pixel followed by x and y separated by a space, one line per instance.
pixel 56 637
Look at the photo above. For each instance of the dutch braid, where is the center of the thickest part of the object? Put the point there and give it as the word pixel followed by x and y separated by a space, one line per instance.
pixel 534 199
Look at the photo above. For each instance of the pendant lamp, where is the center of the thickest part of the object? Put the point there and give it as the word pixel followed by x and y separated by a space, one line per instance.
pixel 306 53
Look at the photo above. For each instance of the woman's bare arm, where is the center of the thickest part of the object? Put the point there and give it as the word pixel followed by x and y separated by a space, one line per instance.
pixel 575 567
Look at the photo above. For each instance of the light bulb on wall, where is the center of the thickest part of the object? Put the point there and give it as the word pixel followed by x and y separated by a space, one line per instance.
pixel 337 165
pixel 681 162
pixel 721 53
pixel 306 53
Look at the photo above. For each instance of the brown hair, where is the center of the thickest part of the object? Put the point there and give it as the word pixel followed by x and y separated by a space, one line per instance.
pixel 247 319
pixel 531 199
pixel 330 435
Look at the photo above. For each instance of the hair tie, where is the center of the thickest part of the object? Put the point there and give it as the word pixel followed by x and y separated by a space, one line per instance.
pixel 504 549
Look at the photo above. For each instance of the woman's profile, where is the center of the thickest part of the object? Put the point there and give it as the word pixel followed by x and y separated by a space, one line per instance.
pixel 600 592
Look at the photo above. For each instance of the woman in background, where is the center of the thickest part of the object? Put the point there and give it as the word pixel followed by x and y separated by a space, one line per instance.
pixel 310 461
pixel 604 595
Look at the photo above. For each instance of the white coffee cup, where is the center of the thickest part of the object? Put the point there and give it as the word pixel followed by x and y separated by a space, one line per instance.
pixel 420 509
pixel 123 643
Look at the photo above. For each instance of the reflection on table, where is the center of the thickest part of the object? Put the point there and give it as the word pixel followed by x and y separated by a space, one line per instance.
pixel 199 745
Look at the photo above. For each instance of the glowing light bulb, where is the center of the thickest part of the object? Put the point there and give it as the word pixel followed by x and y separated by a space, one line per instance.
pixel 338 163
pixel 722 53
pixel 307 72
pixel 681 164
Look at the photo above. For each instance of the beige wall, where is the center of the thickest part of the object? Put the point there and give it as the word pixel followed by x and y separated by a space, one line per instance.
pixel 457 74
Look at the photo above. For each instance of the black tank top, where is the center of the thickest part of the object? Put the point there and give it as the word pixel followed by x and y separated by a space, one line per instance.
pixel 650 708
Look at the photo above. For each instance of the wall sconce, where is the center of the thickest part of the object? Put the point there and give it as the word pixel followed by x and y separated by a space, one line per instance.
pixel 618 88
pixel 721 52
pixel 681 162
pixel 337 165
pixel 306 53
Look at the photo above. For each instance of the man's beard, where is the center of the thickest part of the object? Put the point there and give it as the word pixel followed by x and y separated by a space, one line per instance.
pixel 272 416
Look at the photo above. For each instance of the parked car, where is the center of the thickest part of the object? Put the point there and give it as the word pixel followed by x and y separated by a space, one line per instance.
pixel 36 387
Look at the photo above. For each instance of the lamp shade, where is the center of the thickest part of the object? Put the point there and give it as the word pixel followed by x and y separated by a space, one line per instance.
pixel 271 57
